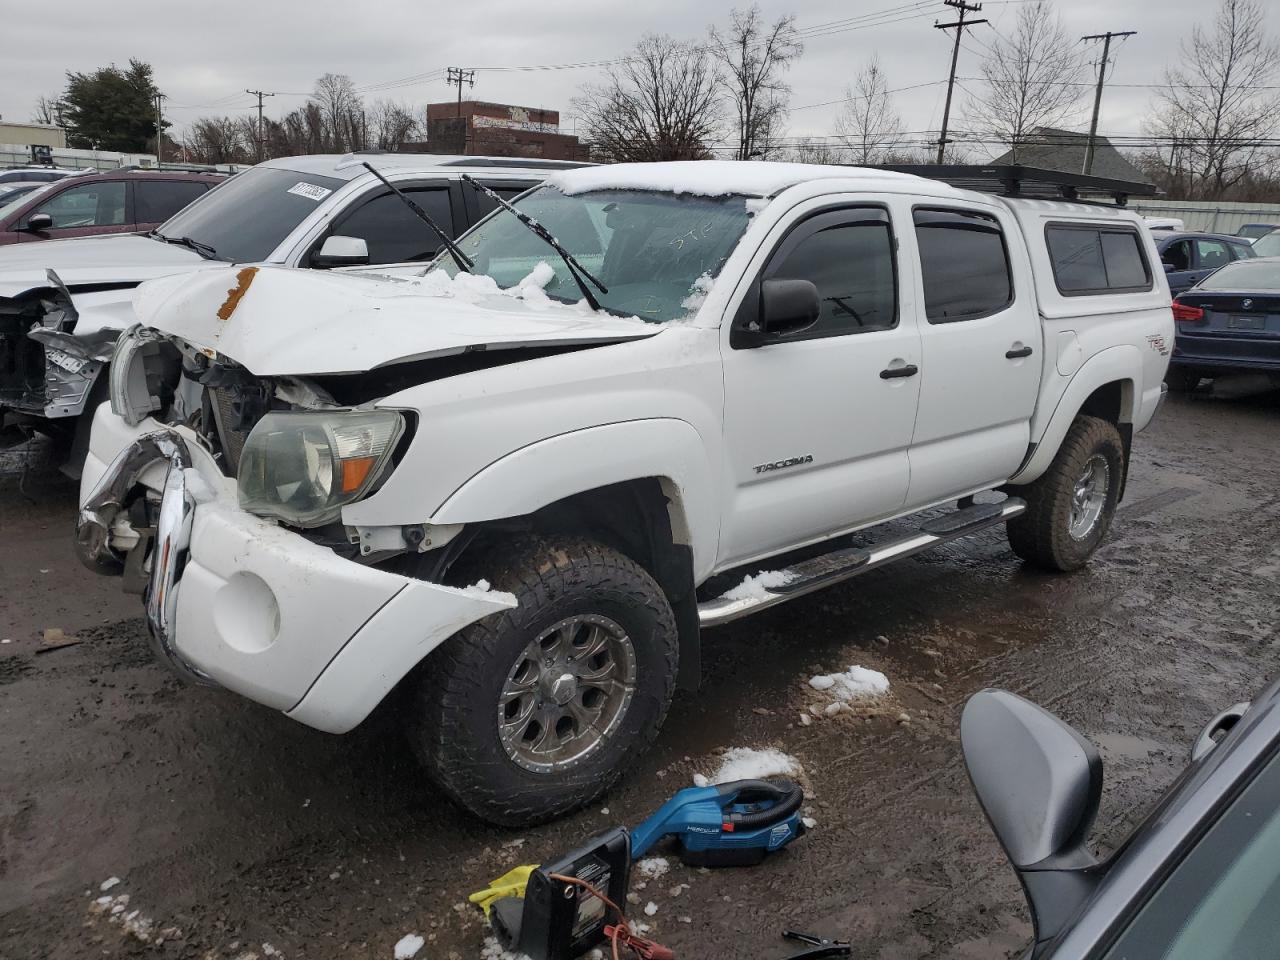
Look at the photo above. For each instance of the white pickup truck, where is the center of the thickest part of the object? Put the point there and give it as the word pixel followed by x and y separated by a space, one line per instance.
pixel 515 486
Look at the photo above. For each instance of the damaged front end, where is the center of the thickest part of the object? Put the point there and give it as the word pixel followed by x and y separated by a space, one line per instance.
pixel 47 373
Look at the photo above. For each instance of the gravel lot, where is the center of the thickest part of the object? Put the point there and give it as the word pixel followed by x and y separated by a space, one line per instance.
pixel 232 828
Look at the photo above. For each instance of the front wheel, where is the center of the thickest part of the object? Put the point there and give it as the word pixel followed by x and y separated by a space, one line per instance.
pixel 534 712
pixel 1070 507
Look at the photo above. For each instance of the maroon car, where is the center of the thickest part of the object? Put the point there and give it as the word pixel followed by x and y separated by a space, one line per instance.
pixel 123 201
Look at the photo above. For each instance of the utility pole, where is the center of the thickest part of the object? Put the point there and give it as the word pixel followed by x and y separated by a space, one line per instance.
pixel 262 140
pixel 159 128
pixel 958 26
pixel 1106 39
pixel 459 76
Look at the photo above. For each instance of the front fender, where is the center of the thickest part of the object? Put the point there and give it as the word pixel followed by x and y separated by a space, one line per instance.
pixel 561 466
pixel 1116 364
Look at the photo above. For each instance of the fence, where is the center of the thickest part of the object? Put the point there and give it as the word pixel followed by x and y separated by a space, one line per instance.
pixel 1209 216
pixel 19 155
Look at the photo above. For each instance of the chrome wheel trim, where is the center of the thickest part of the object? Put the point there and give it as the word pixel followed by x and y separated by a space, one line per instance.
pixel 1089 497
pixel 566 693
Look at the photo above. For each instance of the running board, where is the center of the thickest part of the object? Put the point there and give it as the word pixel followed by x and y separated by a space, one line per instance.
pixel 839 565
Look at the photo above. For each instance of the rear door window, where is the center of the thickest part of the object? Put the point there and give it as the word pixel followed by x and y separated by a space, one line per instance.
pixel 965 265
pixel 155 201
pixel 1212 254
pixel 1093 260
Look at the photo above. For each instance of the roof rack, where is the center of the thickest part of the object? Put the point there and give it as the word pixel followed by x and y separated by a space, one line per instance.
pixel 1015 180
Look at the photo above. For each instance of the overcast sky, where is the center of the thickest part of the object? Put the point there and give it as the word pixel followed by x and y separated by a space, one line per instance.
pixel 205 55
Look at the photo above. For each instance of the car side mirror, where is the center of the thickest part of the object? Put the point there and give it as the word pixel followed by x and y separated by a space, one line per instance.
pixel 39 222
pixel 1169 268
pixel 1039 783
pixel 340 251
pixel 786 307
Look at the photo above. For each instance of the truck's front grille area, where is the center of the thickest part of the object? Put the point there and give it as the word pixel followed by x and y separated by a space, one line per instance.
pixel 226 415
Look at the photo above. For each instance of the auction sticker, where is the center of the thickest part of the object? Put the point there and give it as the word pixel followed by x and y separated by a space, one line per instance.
pixel 309 190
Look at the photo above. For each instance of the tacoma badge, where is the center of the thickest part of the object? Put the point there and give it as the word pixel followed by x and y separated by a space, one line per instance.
pixel 782 464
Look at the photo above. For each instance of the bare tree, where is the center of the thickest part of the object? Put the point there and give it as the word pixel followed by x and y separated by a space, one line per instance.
pixel 809 150
pixel 389 124
pixel 48 110
pixel 218 140
pixel 1032 79
pixel 869 126
pixel 660 103
pixel 753 56
pixel 335 96
pixel 1214 112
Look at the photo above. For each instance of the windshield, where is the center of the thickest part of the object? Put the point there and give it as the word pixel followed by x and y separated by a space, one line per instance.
pixel 1252 275
pixel 656 252
pixel 245 218
pixel 1268 246
pixel 9 204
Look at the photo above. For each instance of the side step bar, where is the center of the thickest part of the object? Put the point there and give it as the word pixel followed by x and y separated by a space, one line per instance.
pixel 831 568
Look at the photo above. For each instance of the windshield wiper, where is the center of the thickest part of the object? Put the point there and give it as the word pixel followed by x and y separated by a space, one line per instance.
pixel 461 259
pixel 203 249
pixel 569 261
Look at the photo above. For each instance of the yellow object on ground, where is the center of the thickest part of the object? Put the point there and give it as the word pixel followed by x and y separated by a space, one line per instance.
pixel 510 884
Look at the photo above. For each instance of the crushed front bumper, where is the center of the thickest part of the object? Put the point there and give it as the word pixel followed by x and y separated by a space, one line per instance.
pixel 239 601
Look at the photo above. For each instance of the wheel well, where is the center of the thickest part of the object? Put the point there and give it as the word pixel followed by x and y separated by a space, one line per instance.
pixel 1113 402
pixel 640 518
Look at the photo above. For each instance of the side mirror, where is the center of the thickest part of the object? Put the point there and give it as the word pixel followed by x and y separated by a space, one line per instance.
pixel 786 307
pixel 1039 783
pixel 39 222
pixel 1169 268
pixel 339 251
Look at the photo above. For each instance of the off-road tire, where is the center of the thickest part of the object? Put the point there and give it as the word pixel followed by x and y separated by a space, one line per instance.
pixel 1041 536
pixel 453 723
pixel 1182 379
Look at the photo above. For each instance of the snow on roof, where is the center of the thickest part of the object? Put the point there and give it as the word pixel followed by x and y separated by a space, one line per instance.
pixel 348 166
pixel 713 178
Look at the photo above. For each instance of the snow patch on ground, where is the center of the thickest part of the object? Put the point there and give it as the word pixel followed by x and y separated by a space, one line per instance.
pixel 650 909
pixel 746 763
pixel 108 883
pixel 856 683
pixel 651 868
pixel 758 586
pixel 492 950
pixel 408 946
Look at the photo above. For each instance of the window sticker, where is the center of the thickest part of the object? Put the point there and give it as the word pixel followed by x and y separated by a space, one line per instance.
pixel 310 191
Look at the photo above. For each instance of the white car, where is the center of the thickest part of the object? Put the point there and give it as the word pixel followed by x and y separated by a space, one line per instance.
pixel 279 212
pixel 521 483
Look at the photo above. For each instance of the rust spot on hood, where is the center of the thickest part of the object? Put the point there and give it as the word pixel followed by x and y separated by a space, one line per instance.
pixel 236 293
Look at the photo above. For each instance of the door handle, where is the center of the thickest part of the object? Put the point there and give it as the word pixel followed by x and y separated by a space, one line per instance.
pixel 1017 354
pixel 893 373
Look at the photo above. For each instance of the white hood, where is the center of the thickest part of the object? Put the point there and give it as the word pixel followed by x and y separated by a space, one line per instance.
pixel 281 322
pixel 119 258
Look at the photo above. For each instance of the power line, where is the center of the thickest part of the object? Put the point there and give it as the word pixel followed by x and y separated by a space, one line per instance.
pixel 1106 39
pixel 958 26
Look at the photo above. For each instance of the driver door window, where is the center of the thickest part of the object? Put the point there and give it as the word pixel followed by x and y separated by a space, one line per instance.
pixel 90 205
pixel 393 232
pixel 1220 901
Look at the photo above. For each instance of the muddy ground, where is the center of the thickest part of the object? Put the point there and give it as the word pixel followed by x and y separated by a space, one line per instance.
pixel 232 828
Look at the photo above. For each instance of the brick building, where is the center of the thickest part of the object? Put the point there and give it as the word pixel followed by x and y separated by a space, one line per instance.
pixel 499 130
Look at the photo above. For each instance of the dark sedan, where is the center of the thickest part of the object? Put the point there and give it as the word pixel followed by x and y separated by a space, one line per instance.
pixel 1228 323
pixel 1199 879
pixel 124 201
pixel 1190 257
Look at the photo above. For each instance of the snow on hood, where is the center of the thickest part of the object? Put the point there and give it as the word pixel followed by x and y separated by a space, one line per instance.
pixel 120 258
pixel 277 322
pixel 711 178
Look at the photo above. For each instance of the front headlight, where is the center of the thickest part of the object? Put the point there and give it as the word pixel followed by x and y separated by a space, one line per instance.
pixel 303 467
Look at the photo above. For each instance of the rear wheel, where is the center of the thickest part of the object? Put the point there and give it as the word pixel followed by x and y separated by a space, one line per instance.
pixel 1070 507
pixel 1182 379
pixel 533 712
